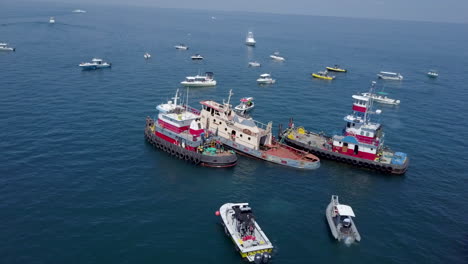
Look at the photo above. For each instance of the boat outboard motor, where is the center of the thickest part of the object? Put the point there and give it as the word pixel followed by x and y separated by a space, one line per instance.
pixel 258 258
pixel 266 257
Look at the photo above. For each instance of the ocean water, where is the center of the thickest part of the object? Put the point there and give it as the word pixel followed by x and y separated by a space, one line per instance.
pixel 79 184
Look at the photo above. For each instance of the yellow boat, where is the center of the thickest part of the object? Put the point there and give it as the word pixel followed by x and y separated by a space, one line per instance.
pixel 336 68
pixel 323 75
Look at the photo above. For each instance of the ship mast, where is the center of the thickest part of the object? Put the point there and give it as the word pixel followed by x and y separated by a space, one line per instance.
pixel 369 103
pixel 176 97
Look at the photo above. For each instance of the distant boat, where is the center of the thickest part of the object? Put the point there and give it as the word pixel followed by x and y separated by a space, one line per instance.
pixel 197 57
pixel 265 79
pixel 432 74
pixel 276 56
pixel 4 47
pixel 254 64
pixel 79 11
pixel 249 40
pixel 147 55
pixel 336 68
pixel 390 76
pixel 323 75
pixel 94 64
pixel 181 47
pixel 51 20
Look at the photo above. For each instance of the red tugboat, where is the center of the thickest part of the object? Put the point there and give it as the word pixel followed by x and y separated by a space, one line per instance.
pixel 179 132
pixel 361 144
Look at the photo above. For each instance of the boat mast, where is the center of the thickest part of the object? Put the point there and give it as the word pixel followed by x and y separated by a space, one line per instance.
pixel 369 103
pixel 229 98
pixel 176 97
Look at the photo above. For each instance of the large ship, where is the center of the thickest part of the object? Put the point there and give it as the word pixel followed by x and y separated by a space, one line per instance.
pixel 179 132
pixel 361 143
pixel 252 138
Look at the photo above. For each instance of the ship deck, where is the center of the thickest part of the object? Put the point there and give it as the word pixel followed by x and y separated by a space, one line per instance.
pixel 286 152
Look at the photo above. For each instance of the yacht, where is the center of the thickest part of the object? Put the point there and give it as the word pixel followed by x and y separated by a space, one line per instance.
pixel 94 64
pixel 390 76
pixel 265 79
pixel 432 74
pixel 181 47
pixel 199 80
pixel 51 20
pixel 276 56
pixel 197 57
pixel 4 47
pixel 249 40
pixel 254 64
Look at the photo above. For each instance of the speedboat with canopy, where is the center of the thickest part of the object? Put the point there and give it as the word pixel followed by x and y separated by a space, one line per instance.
pixel 432 74
pixel 4 47
pixel 265 79
pixel 276 56
pixel 380 97
pixel 340 220
pixel 249 40
pixel 254 64
pixel 246 105
pixel 94 64
pixel 323 75
pixel 181 47
pixel 390 76
pixel 336 68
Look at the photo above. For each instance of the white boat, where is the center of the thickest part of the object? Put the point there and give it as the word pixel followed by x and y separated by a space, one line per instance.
pixel 79 11
pixel 246 104
pixel 276 56
pixel 199 80
pixel 249 40
pixel 4 47
pixel 432 74
pixel 147 55
pixel 181 47
pixel 254 64
pixel 242 228
pixel 380 97
pixel 52 20
pixel 197 57
pixel 340 220
pixel 94 64
pixel 265 79
pixel 390 76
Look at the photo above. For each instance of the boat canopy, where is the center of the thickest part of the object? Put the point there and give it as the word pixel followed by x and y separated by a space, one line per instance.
pixel 382 93
pixel 245 122
pixel 246 99
pixel 360 97
pixel 389 73
pixel 350 139
pixel 265 75
pixel 96 60
pixel 345 210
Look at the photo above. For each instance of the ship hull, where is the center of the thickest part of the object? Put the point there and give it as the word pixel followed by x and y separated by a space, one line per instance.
pixel 188 155
pixel 355 161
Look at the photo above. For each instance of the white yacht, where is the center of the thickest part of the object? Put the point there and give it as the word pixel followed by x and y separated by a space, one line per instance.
pixel 94 64
pixel 51 20
pixel 199 80
pixel 254 64
pixel 181 47
pixel 147 55
pixel 241 227
pixel 276 56
pixel 390 76
pixel 265 79
pixel 79 11
pixel 432 74
pixel 4 47
pixel 249 40
pixel 197 57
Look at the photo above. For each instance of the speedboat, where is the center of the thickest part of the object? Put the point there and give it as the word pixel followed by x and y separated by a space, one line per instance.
pixel 79 11
pixel 265 79
pixel 181 47
pixel 276 56
pixel 199 80
pixel 94 64
pixel 390 76
pixel 336 68
pixel 51 20
pixel 323 75
pixel 241 227
pixel 340 220
pixel 197 57
pixel 4 47
pixel 147 55
pixel 249 40
pixel 246 104
pixel 380 97
pixel 254 64
pixel 432 74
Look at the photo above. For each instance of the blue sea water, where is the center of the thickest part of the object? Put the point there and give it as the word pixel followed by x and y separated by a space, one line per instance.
pixel 78 183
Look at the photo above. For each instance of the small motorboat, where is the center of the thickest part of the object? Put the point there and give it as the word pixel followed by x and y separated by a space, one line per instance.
pixel 199 80
pixel 94 64
pixel 241 227
pixel 432 74
pixel 254 64
pixel 181 47
pixel 276 56
pixel 51 20
pixel 323 75
pixel 340 220
pixel 390 76
pixel 246 104
pixel 147 55
pixel 336 68
pixel 265 79
pixel 197 57
pixel 249 40
pixel 4 47
pixel 79 11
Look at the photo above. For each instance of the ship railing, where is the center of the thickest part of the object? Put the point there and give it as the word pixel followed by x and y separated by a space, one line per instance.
pixel 191 109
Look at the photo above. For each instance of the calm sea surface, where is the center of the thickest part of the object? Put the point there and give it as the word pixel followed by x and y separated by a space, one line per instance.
pixel 78 183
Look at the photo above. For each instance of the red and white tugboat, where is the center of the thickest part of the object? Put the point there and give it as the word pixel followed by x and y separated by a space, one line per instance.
pixel 361 144
pixel 178 131
pixel 252 138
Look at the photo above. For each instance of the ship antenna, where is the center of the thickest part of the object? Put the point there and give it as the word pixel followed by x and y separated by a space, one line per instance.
pixel 370 103
pixel 186 103
pixel 229 98
pixel 176 97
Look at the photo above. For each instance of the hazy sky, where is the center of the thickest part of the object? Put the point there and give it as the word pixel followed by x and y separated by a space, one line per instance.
pixel 426 10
